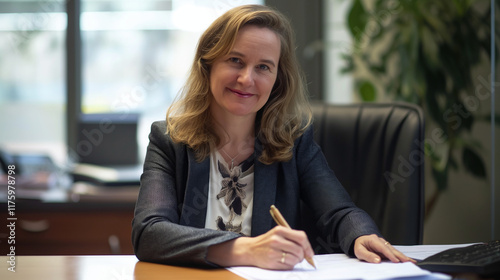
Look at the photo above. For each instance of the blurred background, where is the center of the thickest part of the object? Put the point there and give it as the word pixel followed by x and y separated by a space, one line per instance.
pixel 65 66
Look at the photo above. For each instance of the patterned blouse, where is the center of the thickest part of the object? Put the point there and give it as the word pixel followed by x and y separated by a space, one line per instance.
pixel 230 195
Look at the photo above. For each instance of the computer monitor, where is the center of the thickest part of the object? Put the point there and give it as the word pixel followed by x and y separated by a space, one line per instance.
pixel 108 139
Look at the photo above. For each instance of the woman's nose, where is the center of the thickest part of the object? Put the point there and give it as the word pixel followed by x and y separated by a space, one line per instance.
pixel 245 76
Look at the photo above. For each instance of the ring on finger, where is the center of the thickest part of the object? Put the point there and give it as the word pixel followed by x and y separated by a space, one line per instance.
pixel 283 256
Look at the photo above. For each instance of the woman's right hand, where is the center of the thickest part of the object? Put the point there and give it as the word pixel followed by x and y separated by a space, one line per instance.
pixel 280 248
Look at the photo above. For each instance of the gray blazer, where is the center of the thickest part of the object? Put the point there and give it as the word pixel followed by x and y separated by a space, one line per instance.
pixel 169 220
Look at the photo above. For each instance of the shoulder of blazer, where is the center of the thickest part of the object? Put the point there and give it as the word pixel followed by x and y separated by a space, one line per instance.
pixel 161 138
pixel 307 138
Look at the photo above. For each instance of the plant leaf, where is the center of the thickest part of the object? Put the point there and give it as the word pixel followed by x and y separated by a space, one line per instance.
pixel 357 19
pixel 473 162
pixel 367 91
pixel 349 64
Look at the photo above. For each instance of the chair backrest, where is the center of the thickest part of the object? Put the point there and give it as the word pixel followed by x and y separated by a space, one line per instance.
pixel 376 151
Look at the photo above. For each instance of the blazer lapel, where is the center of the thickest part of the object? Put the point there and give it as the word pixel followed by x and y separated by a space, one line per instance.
pixel 264 194
pixel 194 209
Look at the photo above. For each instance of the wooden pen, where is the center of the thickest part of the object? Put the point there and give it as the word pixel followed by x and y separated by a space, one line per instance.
pixel 278 218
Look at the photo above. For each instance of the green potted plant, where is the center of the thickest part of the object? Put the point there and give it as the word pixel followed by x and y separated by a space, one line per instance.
pixel 424 52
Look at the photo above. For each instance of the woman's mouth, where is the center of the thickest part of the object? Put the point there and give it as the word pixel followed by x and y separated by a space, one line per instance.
pixel 241 93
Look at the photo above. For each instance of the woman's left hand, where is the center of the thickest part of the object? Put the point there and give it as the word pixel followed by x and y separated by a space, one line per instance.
pixel 372 248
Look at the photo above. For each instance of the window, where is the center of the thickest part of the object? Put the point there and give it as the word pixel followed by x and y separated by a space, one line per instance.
pixel 337 41
pixel 32 77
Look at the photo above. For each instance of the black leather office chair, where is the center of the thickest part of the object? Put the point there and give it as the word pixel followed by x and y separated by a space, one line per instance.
pixel 376 151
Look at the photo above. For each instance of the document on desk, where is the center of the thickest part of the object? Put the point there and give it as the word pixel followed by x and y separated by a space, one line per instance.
pixel 335 266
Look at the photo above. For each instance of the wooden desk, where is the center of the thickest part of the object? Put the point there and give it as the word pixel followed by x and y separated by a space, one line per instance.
pixel 102 267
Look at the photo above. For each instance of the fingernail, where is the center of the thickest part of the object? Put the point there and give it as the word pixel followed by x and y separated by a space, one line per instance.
pixel 376 259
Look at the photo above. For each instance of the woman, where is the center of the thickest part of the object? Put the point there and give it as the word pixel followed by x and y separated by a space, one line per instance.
pixel 237 141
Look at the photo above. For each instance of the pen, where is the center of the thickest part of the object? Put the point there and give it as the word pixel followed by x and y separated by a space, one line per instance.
pixel 278 218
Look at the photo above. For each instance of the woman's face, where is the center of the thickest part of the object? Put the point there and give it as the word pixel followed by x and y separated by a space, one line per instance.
pixel 241 81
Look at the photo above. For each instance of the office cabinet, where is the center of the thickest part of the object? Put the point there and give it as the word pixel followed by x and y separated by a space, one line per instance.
pixel 72 228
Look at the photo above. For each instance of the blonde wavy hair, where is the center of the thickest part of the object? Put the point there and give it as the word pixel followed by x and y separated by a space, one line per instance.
pixel 284 117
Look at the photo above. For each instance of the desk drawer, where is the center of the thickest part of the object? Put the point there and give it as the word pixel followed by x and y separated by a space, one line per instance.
pixel 74 233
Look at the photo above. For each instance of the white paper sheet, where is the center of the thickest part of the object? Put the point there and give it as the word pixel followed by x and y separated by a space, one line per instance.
pixel 334 266
pixel 339 266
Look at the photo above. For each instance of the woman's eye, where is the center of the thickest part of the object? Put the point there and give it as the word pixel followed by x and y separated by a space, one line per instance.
pixel 263 67
pixel 234 59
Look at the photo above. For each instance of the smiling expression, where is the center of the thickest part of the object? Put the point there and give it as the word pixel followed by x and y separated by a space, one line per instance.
pixel 241 81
